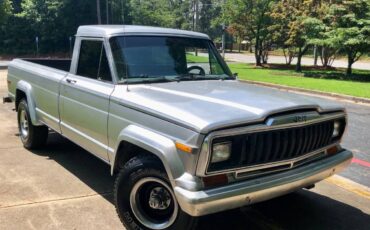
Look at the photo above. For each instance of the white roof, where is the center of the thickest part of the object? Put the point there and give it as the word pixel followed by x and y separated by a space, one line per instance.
pixel 114 30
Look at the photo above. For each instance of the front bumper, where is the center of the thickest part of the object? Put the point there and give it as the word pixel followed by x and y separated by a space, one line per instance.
pixel 198 203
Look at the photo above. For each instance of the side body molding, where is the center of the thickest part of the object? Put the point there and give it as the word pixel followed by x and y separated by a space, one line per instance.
pixel 161 146
pixel 26 88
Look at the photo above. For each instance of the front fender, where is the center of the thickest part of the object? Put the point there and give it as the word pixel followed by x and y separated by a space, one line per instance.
pixel 161 146
pixel 26 88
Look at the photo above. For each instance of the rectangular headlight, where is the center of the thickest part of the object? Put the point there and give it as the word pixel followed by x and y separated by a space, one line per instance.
pixel 221 152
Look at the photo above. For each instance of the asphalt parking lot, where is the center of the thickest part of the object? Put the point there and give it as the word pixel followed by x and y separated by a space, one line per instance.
pixel 64 187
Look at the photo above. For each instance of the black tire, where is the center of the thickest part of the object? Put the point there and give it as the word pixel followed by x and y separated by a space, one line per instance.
pixel 136 170
pixel 35 136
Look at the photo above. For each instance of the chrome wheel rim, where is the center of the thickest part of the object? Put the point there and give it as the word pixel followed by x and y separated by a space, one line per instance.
pixel 23 124
pixel 153 203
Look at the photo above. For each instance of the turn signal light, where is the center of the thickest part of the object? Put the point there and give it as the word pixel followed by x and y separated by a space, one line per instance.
pixel 184 148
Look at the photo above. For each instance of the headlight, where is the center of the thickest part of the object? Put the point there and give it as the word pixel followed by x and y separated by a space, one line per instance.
pixel 221 152
pixel 337 128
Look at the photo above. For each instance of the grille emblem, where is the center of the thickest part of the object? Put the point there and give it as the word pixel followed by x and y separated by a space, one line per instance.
pixel 292 118
pixel 301 118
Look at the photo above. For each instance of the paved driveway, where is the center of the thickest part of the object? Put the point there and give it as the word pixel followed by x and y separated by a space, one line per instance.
pixel 64 187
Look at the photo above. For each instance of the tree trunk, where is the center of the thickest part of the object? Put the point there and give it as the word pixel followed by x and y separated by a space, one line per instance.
pixel 299 60
pixel 286 58
pixel 265 55
pixel 349 68
pixel 298 67
pixel 301 52
pixel 258 58
pixel 257 53
pixel 325 57
pixel 291 57
pixel 315 56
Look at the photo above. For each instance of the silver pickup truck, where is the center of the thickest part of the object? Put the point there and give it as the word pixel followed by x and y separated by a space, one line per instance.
pixel 182 135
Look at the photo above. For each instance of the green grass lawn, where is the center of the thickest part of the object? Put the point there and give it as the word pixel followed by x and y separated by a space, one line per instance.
pixel 333 81
pixel 191 58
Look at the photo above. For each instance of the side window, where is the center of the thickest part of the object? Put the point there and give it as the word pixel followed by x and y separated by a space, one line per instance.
pixel 93 62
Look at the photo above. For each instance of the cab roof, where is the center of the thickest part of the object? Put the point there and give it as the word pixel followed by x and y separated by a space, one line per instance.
pixel 116 30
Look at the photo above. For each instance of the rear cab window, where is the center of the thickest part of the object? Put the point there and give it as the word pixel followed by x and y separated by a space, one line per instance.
pixel 93 61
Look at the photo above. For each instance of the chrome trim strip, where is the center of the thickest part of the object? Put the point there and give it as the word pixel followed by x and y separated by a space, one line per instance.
pixel 205 155
pixel 85 136
pixel 264 127
pixel 292 163
pixel 48 116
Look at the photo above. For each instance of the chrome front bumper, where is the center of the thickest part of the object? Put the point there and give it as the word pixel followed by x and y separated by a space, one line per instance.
pixel 198 203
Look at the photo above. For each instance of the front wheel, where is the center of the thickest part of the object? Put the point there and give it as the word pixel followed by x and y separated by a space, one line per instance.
pixel 144 198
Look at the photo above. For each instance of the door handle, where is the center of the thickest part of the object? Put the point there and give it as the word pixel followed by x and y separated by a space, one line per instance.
pixel 70 81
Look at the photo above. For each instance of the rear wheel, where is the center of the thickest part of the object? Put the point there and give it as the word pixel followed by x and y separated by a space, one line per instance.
pixel 144 197
pixel 31 136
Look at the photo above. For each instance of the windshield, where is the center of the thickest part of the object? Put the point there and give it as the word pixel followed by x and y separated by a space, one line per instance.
pixel 160 58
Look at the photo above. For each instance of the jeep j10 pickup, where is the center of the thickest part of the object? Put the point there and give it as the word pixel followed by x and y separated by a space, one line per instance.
pixel 182 135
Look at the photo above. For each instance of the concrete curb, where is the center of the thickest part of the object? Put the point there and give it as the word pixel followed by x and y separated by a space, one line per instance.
pixel 295 89
pixel 4 65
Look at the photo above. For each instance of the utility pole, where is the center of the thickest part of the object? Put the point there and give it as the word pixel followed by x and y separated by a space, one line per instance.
pixel 123 12
pixel 223 35
pixel 107 10
pixel 196 20
pixel 37 45
pixel 98 11
pixel 70 46
pixel 196 15
pixel 223 40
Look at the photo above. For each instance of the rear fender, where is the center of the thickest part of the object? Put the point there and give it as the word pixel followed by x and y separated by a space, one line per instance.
pixel 26 88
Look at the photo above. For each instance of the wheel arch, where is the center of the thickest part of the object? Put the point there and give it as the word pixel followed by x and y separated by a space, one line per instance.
pixel 134 140
pixel 24 91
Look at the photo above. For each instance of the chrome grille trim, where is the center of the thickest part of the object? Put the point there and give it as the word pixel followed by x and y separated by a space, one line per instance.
pixel 205 154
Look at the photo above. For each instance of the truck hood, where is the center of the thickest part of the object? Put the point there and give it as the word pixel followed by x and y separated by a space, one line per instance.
pixel 204 106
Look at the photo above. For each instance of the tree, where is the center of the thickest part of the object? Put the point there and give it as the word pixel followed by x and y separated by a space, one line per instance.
pixel 209 17
pixel 160 13
pixel 51 20
pixel 239 32
pixel 295 24
pixel 254 15
pixel 5 10
pixel 350 29
pixel 281 14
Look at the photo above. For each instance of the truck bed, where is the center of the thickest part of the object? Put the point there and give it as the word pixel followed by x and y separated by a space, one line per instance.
pixel 39 79
pixel 61 64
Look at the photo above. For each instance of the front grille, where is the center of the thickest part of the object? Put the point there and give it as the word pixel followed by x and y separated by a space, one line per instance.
pixel 277 145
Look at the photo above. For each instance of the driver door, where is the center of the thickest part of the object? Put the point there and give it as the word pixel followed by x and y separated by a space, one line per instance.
pixel 84 99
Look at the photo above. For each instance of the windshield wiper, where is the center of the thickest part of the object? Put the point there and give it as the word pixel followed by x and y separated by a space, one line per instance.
pixel 185 77
pixel 146 79
pixel 193 77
